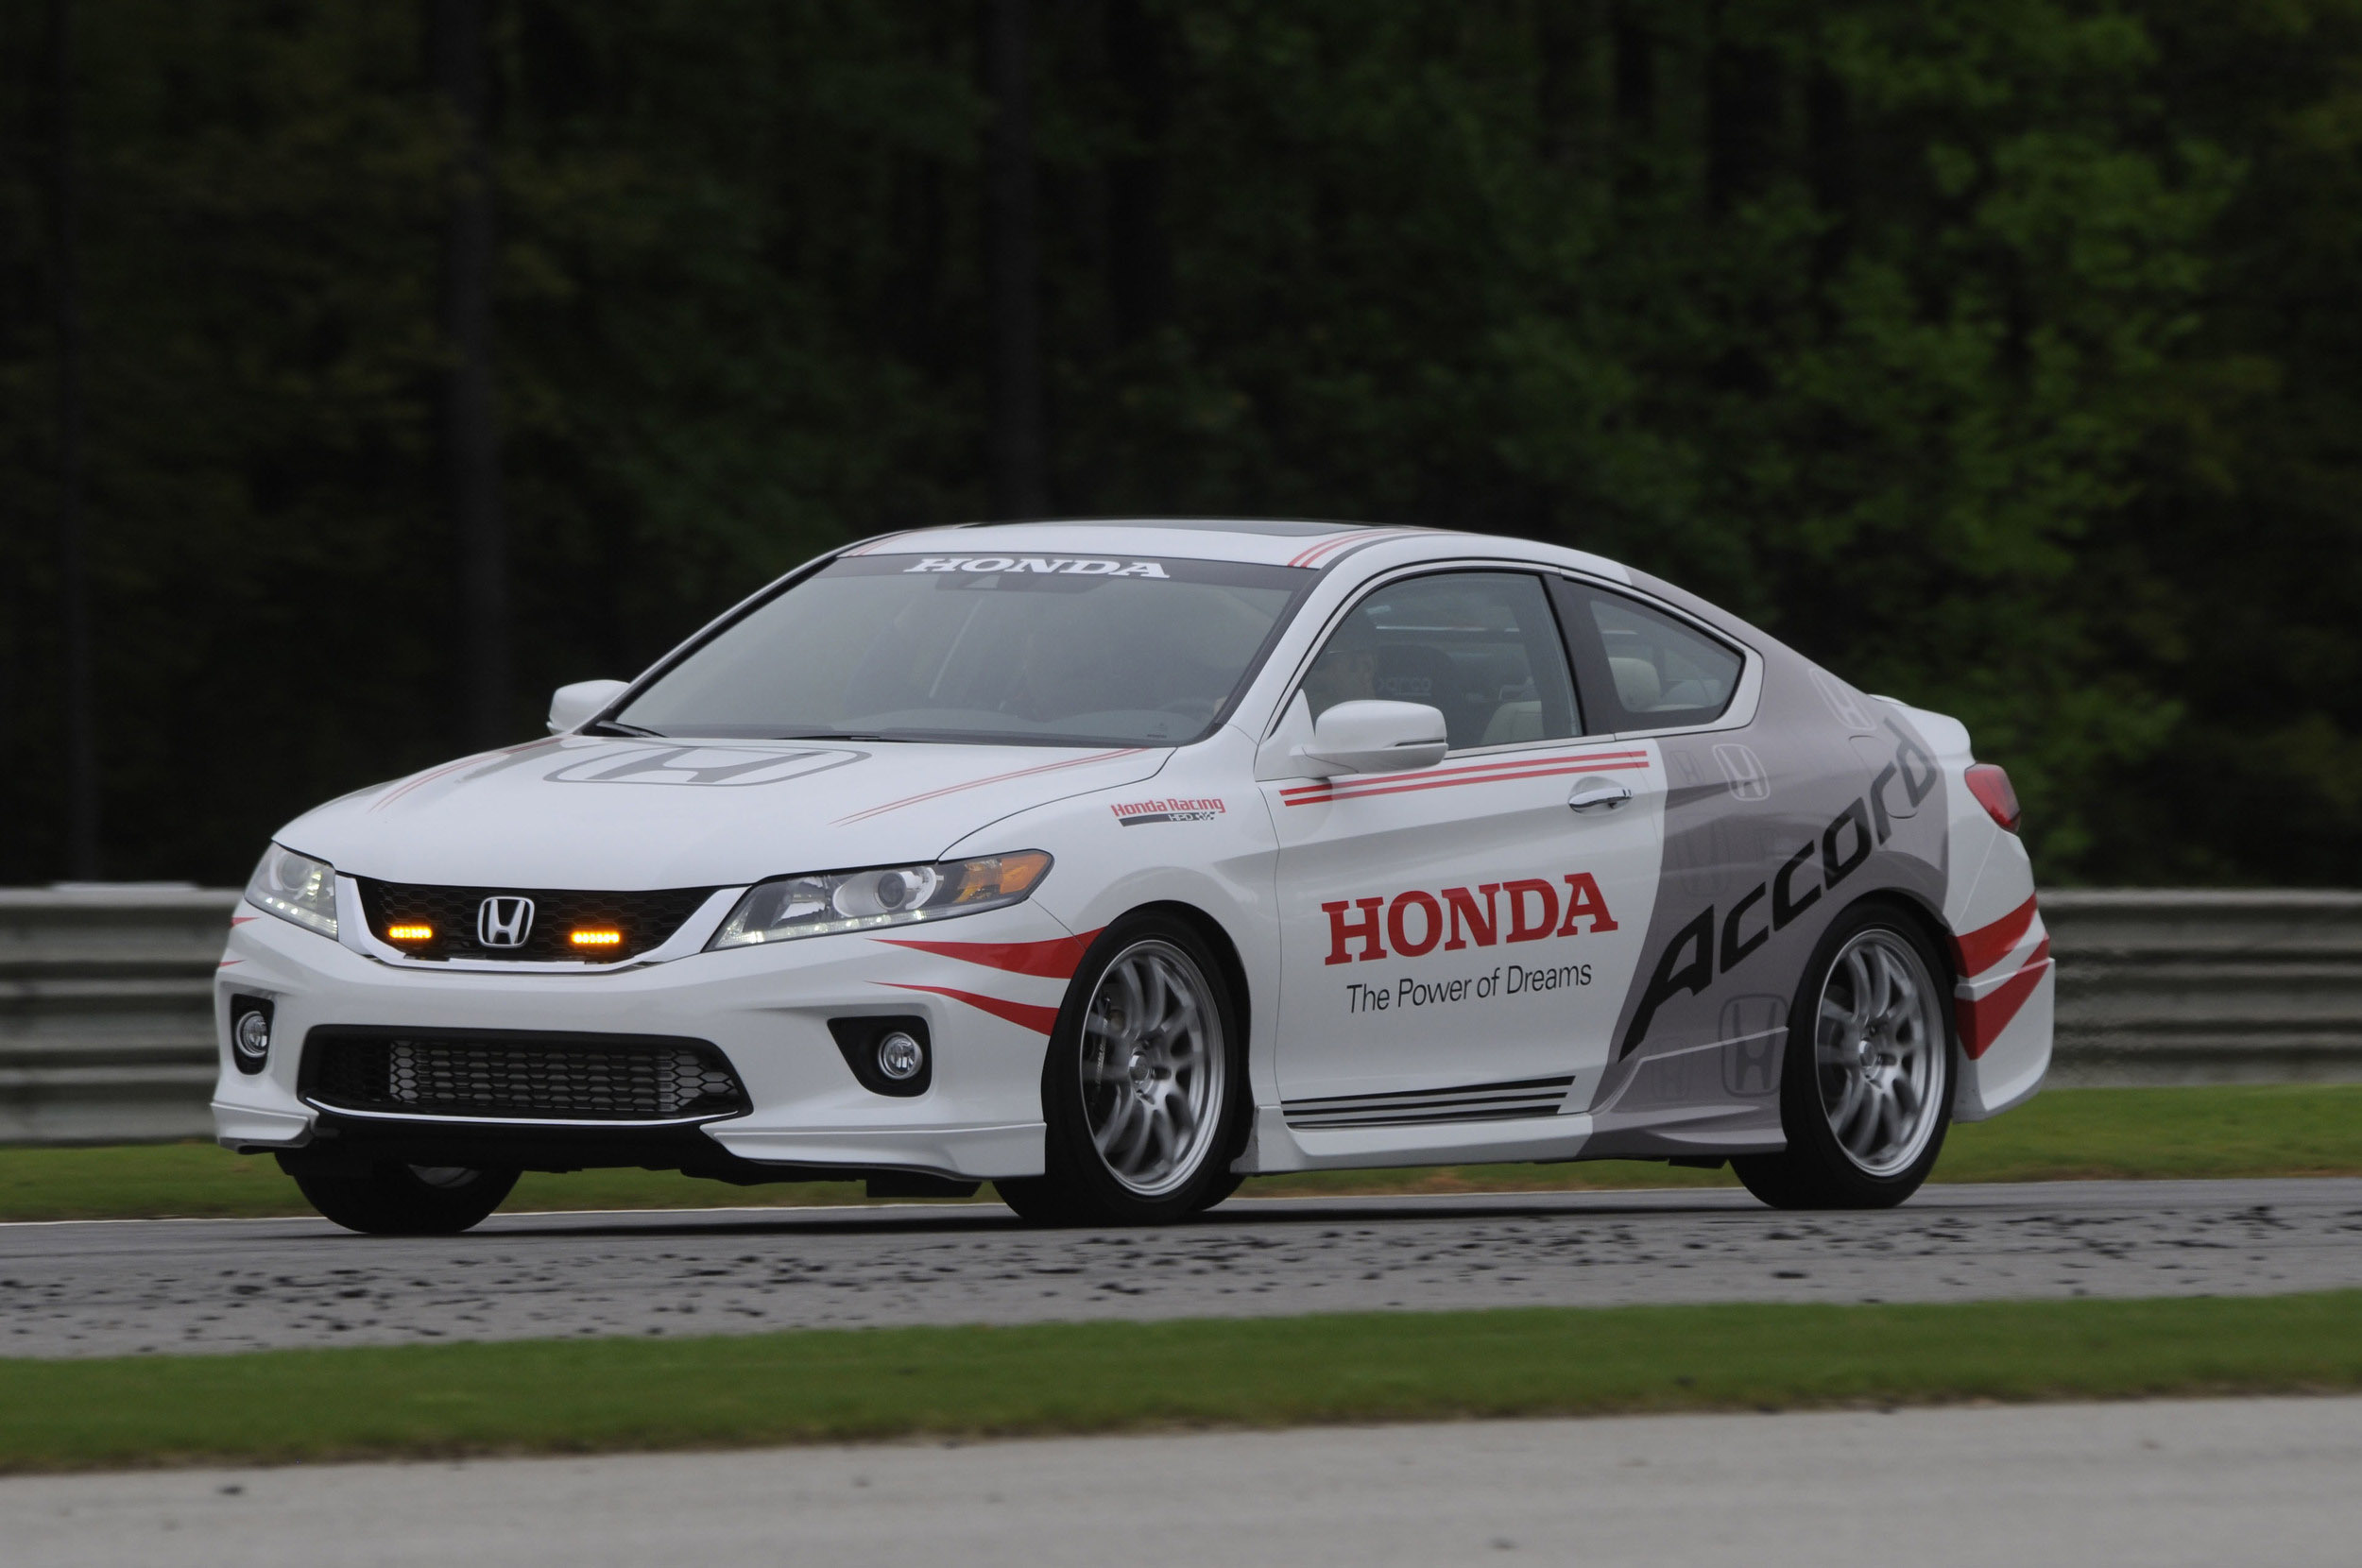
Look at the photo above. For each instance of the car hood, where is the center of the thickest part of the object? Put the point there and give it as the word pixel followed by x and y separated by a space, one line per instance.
pixel 584 811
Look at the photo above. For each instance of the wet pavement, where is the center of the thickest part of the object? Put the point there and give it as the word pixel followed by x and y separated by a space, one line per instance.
pixel 182 1285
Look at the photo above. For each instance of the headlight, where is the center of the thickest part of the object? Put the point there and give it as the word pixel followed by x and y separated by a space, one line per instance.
pixel 827 902
pixel 296 887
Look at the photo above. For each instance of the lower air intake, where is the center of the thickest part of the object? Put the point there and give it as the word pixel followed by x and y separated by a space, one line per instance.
pixel 519 1075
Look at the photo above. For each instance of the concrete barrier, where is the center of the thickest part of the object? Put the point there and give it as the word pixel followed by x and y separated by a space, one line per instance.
pixel 106 1012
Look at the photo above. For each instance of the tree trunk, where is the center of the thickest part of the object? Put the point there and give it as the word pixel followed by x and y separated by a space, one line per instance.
pixel 1743 90
pixel 1830 146
pixel 1012 270
pixel 471 441
pixel 1139 260
pixel 82 859
pixel 1634 68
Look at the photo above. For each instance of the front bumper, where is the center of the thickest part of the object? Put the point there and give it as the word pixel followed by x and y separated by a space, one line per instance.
pixel 767 1009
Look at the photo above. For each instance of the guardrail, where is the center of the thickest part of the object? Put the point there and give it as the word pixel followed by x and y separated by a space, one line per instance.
pixel 2160 986
pixel 106 1013
pixel 106 999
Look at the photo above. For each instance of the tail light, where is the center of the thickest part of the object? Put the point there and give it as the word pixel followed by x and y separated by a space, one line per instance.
pixel 1989 784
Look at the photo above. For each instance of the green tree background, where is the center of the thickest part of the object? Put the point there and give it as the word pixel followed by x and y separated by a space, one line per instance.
pixel 2001 354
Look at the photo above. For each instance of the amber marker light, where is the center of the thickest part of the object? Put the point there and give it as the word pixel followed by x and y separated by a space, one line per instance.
pixel 409 933
pixel 1001 875
pixel 596 936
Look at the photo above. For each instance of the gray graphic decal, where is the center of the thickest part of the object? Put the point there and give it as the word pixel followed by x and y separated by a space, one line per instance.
pixel 1744 769
pixel 713 766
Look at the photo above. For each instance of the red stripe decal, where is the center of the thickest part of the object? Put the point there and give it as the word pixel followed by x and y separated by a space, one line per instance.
pixel 1313 552
pixel 1357 793
pixel 228 962
pixel 242 919
pixel 980 783
pixel 1041 1020
pixel 1316 555
pixel 1981 949
pixel 1982 1020
pixel 1056 958
pixel 1468 770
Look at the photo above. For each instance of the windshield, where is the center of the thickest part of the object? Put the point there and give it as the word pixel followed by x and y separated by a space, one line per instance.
pixel 1047 650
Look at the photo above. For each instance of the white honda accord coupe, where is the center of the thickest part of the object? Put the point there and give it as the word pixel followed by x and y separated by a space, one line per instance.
pixel 1111 862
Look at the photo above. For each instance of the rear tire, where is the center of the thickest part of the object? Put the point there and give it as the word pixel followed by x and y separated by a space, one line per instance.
pixel 393 1199
pixel 1144 1090
pixel 1866 1080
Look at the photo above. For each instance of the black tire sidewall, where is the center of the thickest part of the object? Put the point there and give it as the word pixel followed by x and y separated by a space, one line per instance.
pixel 1070 1160
pixel 1817 1172
pixel 390 1199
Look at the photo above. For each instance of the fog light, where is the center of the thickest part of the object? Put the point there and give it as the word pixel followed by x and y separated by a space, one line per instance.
pixel 900 1057
pixel 250 1033
pixel 891 1055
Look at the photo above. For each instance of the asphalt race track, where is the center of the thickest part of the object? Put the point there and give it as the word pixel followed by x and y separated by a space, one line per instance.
pixel 2169 1484
pixel 178 1285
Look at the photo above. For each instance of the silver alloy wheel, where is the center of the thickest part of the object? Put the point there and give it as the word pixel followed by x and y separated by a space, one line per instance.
pixel 1878 1046
pixel 1154 1069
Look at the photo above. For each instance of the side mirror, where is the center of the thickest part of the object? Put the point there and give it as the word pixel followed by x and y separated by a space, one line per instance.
pixel 1376 736
pixel 571 706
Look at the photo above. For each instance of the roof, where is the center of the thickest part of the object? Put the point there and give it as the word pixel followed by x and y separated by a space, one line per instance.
pixel 1312 544
pixel 1259 540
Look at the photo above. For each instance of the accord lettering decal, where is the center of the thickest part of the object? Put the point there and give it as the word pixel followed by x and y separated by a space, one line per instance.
pixel 1688 962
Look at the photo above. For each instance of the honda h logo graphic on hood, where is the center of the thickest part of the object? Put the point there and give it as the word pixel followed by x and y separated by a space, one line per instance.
pixel 503 922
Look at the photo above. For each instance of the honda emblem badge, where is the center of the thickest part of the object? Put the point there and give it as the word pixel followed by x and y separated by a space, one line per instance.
pixel 505 921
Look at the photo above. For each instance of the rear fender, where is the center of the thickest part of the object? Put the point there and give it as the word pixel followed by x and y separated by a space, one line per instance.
pixel 2004 981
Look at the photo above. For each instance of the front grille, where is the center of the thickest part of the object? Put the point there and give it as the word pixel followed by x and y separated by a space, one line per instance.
pixel 518 1073
pixel 645 920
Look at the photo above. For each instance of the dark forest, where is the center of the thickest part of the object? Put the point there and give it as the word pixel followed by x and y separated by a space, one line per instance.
pixel 368 369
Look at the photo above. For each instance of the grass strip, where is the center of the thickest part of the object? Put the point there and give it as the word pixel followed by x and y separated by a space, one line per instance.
pixel 2245 1130
pixel 580 1396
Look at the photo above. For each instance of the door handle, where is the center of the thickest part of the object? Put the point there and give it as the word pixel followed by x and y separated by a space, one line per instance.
pixel 1593 794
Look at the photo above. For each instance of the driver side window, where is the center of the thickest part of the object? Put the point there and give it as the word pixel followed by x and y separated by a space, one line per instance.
pixel 1481 646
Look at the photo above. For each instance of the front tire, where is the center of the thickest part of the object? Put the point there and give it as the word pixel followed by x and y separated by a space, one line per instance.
pixel 1144 1092
pixel 393 1199
pixel 1866 1082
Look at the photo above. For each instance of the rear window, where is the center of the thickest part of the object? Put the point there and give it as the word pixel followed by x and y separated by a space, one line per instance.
pixel 1641 669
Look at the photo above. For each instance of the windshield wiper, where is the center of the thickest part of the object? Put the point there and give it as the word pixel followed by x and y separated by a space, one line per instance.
pixel 841 735
pixel 617 727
